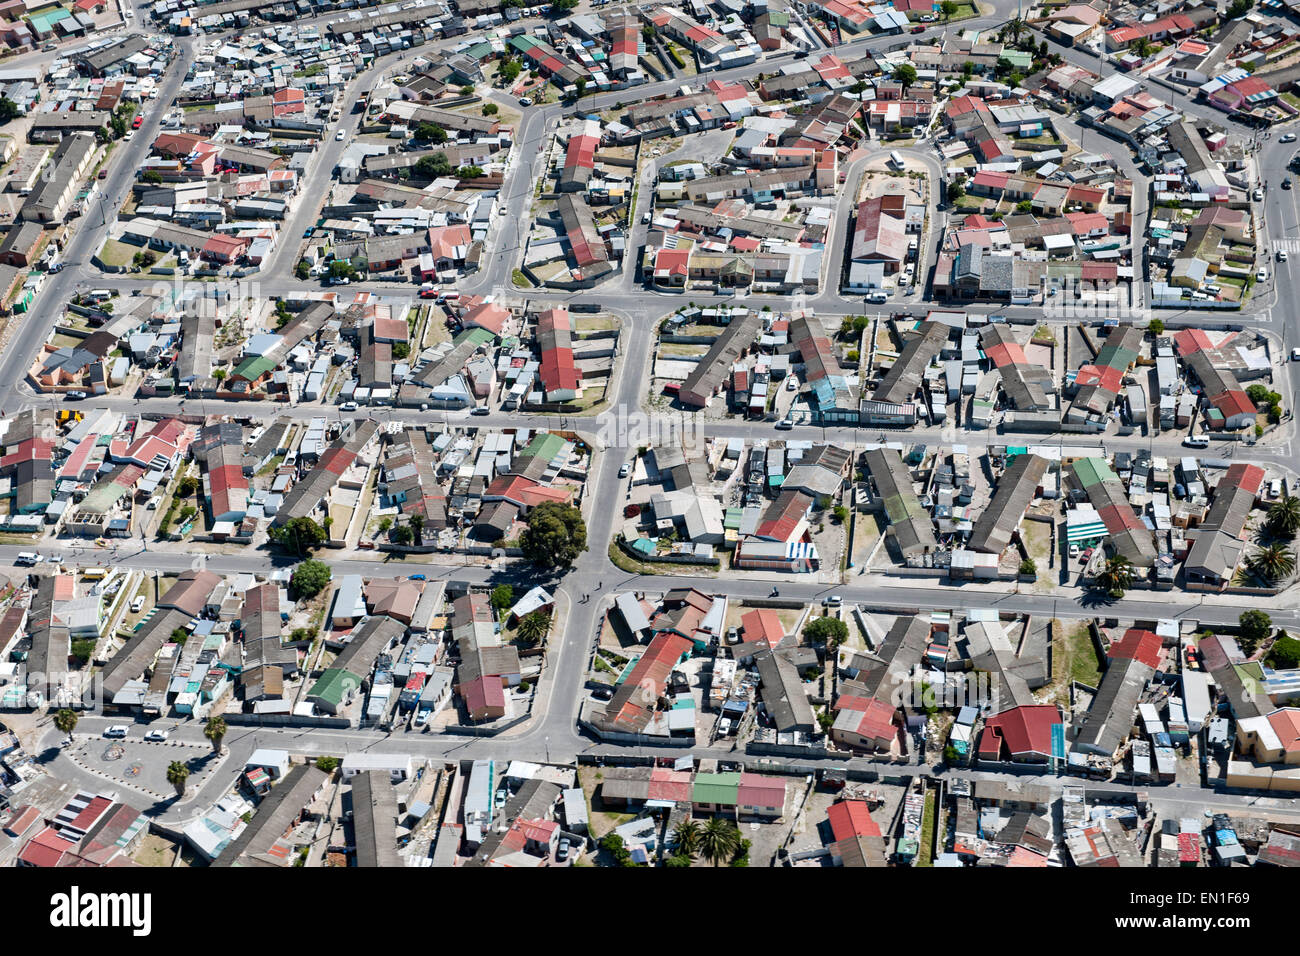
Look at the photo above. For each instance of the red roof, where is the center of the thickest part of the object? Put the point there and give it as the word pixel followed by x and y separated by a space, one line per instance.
pixel 581 152
pixel 757 790
pixel 1138 645
pixel 877 722
pixel 851 818
pixel 762 625
pixel 1190 341
pixel 1020 731
pixel 1234 402
pixel 668 784
pixel 47 848
pixel 1246 477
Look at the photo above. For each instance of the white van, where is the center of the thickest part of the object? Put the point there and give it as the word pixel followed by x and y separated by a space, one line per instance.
pixel 896 159
pixel 136 603
pixel 27 559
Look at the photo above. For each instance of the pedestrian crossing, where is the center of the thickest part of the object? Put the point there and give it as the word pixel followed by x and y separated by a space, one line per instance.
pixel 1287 245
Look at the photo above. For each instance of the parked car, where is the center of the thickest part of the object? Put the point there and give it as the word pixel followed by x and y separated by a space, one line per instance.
pixel 1074 551
pixel 415 577
pixel 136 603
pixel 338 137
pixel 1286 138
pixel 348 407
pixel 481 410
pixel 138 121
pixel 156 736
pixel 115 730
pixel 784 424
pixel 1286 183
pixel 1196 441
pixel 623 471
pixel 791 384
pixel 1295 355
pixel 1261 275
pixel 525 101
pixel 602 693
pixel 56 559
pixel 1258 195
pixel 75 396
pixel 833 600
pixel 562 851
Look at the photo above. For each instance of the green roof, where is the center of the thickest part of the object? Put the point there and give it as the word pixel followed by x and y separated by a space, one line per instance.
pixel 720 788
pixel 251 369
pixel 333 684
pixel 546 446
pixel 1090 471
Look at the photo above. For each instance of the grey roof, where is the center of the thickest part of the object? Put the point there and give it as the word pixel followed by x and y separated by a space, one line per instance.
pixel 1016 487
pixel 711 371
pixel 783 693
pixel 275 814
pixel 1110 718
pixel 374 819
pixel 904 377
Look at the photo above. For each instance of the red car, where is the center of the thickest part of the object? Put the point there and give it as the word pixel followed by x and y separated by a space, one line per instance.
pixel 139 119
pixel 918 29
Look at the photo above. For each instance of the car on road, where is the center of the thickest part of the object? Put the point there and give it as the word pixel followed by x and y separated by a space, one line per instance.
pixel 918 29
pixel 156 736
pixel 129 135
pixel 115 730
pixel 1286 183
pixel 1286 138
pixel 103 173
pixel 348 407
pixel 525 101
pixel 338 137
pixel 833 600
pixel 784 424
pixel 138 121
pixel 1196 441
pixel 415 577
pixel 75 396
pixel 56 268
pixel 1085 556
pixel 137 602
pixel 56 559
pixel 791 384
pixel 623 471
pixel 481 410
pixel 1258 195
pixel 1295 355
pixel 1281 255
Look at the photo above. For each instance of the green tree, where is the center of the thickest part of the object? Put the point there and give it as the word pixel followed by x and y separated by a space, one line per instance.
pixel 310 578
pixel 417 526
pixel 470 172
pixel 1283 519
pixel 302 270
pixel 1116 576
pixel 152 177
pixel 301 535
pixel 177 774
pixel 580 87
pixel 949 9
pixel 955 191
pixel 187 486
pixel 555 536
pixel 510 70
pixel 8 109
pixel 686 838
pixel 385 523
pixel 1239 8
pixel 341 269
pixel 430 133
pixel 1029 567
pixel 839 512
pixel 503 596
pixel 533 628
pixel 719 839
pixel 826 630
pixel 490 109
pixel 1156 327
pixel 677 861
pixel 1256 626
pixel 1273 562
pixel 1285 653
pixel 563 5
pixel 215 731
pixel 467 89
pixel 905 74
pixel 403 534
pixel 327 764
pixel 612 844
pixel 433 167
pixel 401 350
pixel 65 720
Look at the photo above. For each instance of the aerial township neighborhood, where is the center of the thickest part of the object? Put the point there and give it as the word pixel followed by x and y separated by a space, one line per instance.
pixel 459 433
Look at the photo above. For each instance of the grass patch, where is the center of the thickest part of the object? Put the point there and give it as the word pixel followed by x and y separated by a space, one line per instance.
pixel 925 852
pixel 1074 658
pixel 520 279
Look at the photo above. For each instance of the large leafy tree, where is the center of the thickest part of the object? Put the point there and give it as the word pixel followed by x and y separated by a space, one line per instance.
pixel 533 627
pixel 905 74
pixel 555 536
pixel 1256 626
pixel 503 596
pixel 1284 517
pixel 1116 576
pixel 310 578
pixel 719 840
pixel 1273 562
pixel 301 535
pixel 177 774
pixel 826 630
pixel 215 731
pixel 66 720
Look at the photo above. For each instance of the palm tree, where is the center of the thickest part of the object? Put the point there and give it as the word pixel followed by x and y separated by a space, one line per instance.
pixel 719 839
pixel 66 720
pixel 686 837
pixel 1273 562
pixel 533 627
pixel 1117 576
pixel 177 774
pixel 215 731
pixel 1284 517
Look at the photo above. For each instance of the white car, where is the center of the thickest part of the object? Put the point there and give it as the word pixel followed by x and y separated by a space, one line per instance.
pixel 348 407
pixel 116 730
pixel 1286 138
pixel 339 136
pixel 1258 195
pixel 833 601
pixel 1281 255
pixel 137 602
pixel 156 736
pixel 1196 441
pixel 1261 275
pixel 623 471
pixel 56 559
pixel 784 424
pixel 1295 355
